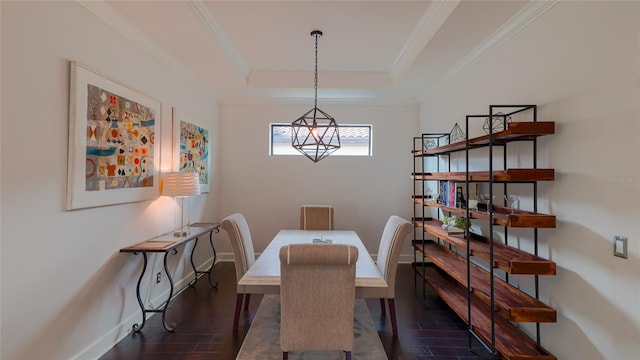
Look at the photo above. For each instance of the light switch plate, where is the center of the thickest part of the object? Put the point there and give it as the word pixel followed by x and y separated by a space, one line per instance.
pixel 620 246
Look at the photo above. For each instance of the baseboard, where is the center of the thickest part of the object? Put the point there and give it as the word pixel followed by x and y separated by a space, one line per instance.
pixel 406 259
pixel 225 257
pixel 123 329
pixel 109 339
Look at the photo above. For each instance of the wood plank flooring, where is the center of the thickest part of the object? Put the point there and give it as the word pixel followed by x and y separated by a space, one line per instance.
pixel 427 328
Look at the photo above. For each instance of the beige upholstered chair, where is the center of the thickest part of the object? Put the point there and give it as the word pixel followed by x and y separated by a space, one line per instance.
pixel 317 295
pixel 316 217
pixel 240 237
pixel 393 235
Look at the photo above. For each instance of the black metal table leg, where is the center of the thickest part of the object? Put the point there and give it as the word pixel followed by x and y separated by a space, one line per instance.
pixel 137 327
pixel 168 243
pixel 213 284
pixel 209 272
pixel 193 265
pixel 166 304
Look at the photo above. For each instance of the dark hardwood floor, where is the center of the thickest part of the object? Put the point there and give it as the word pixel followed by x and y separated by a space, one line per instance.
pixel 427 328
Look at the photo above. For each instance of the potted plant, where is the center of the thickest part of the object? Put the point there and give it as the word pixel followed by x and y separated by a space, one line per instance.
pixel 455 224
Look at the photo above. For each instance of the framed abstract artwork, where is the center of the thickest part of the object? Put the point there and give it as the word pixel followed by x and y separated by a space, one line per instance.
pixel 192 147
pixel 113 155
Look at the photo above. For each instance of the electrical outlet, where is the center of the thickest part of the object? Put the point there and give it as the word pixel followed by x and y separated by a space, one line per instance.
pixel 620 246
pixel 158 277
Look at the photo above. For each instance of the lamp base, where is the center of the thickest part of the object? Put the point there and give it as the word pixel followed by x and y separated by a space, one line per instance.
pixel 182 232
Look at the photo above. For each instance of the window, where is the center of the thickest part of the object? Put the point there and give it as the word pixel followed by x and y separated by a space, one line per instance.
pixel 355 140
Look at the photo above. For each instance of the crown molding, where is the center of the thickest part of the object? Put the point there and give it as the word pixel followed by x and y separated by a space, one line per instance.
pixel 435 16
pixel 220 39
pixel 330 80
pixel 102 10
pixel 342 99
pixel 518 22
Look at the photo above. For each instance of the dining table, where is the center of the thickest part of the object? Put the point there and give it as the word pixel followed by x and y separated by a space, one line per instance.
pixel 263 277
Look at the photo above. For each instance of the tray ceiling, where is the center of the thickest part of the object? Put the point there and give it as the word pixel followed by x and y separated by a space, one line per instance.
pixel 387 52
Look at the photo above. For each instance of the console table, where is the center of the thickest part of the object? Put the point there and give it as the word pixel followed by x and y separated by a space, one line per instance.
pixel 168 243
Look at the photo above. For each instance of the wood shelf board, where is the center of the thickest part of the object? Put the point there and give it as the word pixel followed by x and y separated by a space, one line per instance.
pixel 518 218
pixel 501 176
pixel 516 131
pixel 509 301
pixel 505 257
pixel 511 343
pixel 151 246
pixel 501 215
pixel 418 196
pixel 168 241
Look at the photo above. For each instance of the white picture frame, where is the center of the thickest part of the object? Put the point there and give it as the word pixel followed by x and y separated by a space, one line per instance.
pixel 113 154
pixel 192 147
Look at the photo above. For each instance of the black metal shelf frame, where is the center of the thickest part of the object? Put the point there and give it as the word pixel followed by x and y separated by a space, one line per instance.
pixel 420 144
pixel 420 214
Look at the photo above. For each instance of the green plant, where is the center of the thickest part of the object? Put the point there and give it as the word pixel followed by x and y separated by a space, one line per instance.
pixel 459 222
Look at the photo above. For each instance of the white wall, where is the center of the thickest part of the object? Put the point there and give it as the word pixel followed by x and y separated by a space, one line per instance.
pixel 66 290
pixel 580 63
pixel 269 190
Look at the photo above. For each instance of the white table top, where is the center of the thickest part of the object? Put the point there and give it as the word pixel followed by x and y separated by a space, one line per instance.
pixel 266 270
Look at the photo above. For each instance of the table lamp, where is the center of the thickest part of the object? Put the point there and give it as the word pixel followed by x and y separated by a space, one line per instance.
pixel 181 185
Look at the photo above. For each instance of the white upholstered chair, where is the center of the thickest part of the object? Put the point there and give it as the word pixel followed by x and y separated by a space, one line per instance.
pixel 317 297
pixel 240 237
pixel 393 236
pixel 316 217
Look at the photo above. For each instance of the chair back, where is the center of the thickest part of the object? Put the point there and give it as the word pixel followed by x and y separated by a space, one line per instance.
pixel 316 217
pixel 317 294
pixel 240 237
pixel 393 235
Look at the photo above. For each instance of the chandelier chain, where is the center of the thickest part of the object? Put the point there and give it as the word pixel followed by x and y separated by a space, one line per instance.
pixel 315 86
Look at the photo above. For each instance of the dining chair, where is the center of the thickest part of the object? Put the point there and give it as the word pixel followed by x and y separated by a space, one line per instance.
pixel 394 233
pixel 240 237
pixel 317 297
pixel 316 217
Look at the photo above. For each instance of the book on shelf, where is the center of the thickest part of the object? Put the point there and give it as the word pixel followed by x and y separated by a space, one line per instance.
pixel 454 194
pixel 453 230
pixel 462 197
pixel 451 195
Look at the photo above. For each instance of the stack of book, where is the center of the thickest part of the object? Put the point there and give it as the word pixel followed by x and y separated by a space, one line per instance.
pixel 452 230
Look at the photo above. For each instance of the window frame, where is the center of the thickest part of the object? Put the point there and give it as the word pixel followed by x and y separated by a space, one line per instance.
pixel 369 142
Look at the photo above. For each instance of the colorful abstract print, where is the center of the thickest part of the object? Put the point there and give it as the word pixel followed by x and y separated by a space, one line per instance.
pixel 120 141
pixel 194 150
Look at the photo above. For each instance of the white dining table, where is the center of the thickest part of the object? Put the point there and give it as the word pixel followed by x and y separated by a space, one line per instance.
pixel 264 275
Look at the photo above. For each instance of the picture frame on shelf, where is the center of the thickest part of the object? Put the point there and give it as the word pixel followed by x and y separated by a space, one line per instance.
pixel 192 147
pixel 113 156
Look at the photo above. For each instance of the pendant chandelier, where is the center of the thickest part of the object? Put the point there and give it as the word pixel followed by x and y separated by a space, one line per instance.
pixel 315 134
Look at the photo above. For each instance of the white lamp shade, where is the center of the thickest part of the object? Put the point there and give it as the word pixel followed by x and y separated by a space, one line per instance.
pixel 181 184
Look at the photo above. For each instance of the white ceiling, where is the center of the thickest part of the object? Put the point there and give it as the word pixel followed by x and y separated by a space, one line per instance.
pixel 388 52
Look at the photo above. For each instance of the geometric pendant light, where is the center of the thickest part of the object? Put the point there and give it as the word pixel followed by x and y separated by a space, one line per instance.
pixel 315 134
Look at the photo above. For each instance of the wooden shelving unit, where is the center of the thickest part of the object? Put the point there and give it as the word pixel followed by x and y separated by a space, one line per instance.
pixel 511 343
pixel 512 303
pixel 506 258
pixel 516 131
pixel 509 175
pixel 501 216
pixel 462 268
